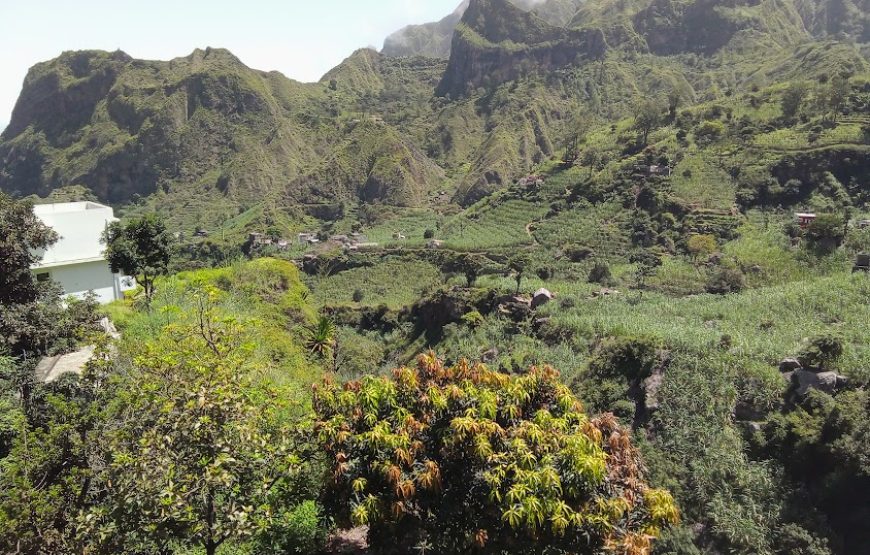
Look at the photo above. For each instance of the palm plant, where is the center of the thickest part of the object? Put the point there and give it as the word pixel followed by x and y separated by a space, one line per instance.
pixel 320 337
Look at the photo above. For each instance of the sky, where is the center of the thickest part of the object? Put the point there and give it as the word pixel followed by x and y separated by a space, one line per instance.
pixel 301 39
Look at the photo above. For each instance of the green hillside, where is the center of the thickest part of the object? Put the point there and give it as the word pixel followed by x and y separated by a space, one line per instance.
pixel 608 188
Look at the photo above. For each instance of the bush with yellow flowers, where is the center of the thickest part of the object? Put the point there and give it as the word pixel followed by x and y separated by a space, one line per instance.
pixel 465 459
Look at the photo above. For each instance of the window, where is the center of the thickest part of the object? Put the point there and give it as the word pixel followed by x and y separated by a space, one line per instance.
pixel 43 277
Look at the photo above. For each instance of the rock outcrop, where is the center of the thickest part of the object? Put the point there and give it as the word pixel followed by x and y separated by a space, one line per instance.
pixel 496 42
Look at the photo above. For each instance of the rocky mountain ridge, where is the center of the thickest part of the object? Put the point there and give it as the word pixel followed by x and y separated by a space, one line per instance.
pixel 398 131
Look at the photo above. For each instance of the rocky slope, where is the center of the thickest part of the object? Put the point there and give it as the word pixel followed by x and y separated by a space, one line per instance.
pixel 393 130
pixel 435 39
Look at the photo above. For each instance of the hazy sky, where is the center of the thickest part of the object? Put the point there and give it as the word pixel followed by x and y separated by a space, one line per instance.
pixel 301 39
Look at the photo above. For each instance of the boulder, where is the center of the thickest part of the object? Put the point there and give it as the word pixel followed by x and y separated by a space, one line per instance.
pixel 515 307
pixel 541 297
pixel 790 365
pixel 828 382
pixel 489 356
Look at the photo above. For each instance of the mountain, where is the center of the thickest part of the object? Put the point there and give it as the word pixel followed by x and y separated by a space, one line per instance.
pixel 208 133
pixel 613 192
pixel 496 42
pixel 430 39
pixel 205 123
pixel 435 39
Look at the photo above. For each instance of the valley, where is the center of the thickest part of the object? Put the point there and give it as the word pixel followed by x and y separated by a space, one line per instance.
pixel 646 220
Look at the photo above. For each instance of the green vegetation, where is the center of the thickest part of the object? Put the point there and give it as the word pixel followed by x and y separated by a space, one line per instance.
pixel 607 188
pixel 141 248
pixel 460 458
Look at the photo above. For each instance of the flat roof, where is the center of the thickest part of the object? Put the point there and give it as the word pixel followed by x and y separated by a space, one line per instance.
pixel 66 207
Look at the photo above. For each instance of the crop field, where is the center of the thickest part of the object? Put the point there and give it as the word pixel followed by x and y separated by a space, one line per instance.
pixel 602 228
pixel 394 283
pixel 412 224
pixel 697 181
pixel 789 139
pixel 762 325
pixel 491 225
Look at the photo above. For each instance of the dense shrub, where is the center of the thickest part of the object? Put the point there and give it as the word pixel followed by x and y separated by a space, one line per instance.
pixel 632 358
pixel 822 351
pixel 463 459
pixel 600 273
pixel 726 280
pixel 709 131
pixel 577 253
pixel 826 233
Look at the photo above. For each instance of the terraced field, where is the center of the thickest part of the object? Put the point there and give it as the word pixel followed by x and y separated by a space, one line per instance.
pixel 412 224
pixel 492 225
pixel 394 283
pixel 601 228
pixel 696 181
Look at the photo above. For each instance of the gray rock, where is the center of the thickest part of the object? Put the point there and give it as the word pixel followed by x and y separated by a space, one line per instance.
pixel 542 297
pixel 490 356
pixel 828 382
pixel 790 365
pixel 651 387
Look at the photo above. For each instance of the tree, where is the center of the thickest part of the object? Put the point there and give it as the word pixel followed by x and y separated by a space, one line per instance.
pixel 518 266
pixel 792 100
pixel 647 118
pixel 600 273
pixel 22 237
pixel 34 320
pixel 320 337
pixel 469 265
pixel 826 233
pixel 464 459
pixel 701 246
pixel 47 477
pixel 647 264
pixel 836 96
pixel 142 247
pixel 203 442
pixel 675 98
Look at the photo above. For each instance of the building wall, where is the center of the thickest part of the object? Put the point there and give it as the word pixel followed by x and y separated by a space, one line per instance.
pixel 80 226
pixel 78 279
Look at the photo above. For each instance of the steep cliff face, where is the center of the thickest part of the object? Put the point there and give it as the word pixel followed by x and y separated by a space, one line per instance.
pixel 497 42
pixel 435 40
pixel 432 40
pixel 837 18
pixel 374 163
pixel 706 26
pixel 126 127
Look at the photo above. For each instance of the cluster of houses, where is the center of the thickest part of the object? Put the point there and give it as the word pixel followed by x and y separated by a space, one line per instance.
pixel 352 242
pixel 531 181
pixel 261 240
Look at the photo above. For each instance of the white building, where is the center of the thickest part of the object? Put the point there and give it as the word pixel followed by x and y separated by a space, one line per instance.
pixel 76 260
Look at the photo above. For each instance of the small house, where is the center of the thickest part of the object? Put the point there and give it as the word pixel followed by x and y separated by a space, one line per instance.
pixel 863 224
pixel 862 263
pixel 804 219
pixel 77 261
